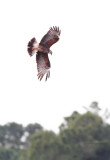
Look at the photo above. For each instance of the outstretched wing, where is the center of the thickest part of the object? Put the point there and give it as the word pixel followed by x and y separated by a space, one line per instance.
pixel 51 37
pixel 43 65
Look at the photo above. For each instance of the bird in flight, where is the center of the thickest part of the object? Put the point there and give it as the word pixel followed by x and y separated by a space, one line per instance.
pixel 42 50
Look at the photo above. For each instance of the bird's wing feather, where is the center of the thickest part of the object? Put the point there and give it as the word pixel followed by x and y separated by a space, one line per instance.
pixel 51 37
pixel 43 65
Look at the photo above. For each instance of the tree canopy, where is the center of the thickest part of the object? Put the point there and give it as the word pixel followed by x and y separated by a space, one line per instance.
pixel 81 137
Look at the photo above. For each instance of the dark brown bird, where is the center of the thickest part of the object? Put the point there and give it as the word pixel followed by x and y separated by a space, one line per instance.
pixel 42 50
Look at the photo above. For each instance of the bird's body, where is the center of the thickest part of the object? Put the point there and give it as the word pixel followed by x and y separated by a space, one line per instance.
pixel 42 50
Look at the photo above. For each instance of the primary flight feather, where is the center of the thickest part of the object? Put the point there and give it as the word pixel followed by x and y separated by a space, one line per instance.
pixel 42 50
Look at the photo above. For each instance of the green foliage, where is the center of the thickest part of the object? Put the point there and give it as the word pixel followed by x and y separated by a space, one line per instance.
pixel 2 135
pixel 86 135
pixel 82 132
pixel 47 145
pixel 9 153
pixel 23 154
pixel 32 128
pixel 10 140
pixel 81 137
pixel 43 142
pixel 13 134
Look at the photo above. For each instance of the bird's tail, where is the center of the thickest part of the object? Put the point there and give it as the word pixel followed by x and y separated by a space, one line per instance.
pixel 32 46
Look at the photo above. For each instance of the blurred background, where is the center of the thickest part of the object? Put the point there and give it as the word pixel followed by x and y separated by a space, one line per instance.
pixel 66 117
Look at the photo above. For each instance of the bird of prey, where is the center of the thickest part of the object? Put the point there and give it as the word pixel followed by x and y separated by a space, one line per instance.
pixel 42 50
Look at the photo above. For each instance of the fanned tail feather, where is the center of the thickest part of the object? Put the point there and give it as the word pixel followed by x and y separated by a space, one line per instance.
pixel 32 46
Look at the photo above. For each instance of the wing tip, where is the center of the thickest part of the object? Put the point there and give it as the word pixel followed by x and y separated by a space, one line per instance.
pixel 47 75
pixel 55 28
pixel 41 75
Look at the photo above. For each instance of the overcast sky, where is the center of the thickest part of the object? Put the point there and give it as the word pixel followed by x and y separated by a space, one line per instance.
pixel 80 64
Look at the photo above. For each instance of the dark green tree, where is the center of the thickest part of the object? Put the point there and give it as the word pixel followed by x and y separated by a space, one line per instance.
pixel 13 135
pixel 33 128
pixel 46 145
pixel 2 135
pixel 9 153
pixel 83 135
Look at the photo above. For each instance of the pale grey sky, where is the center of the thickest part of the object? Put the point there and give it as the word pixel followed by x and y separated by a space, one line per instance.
pixel 80 71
